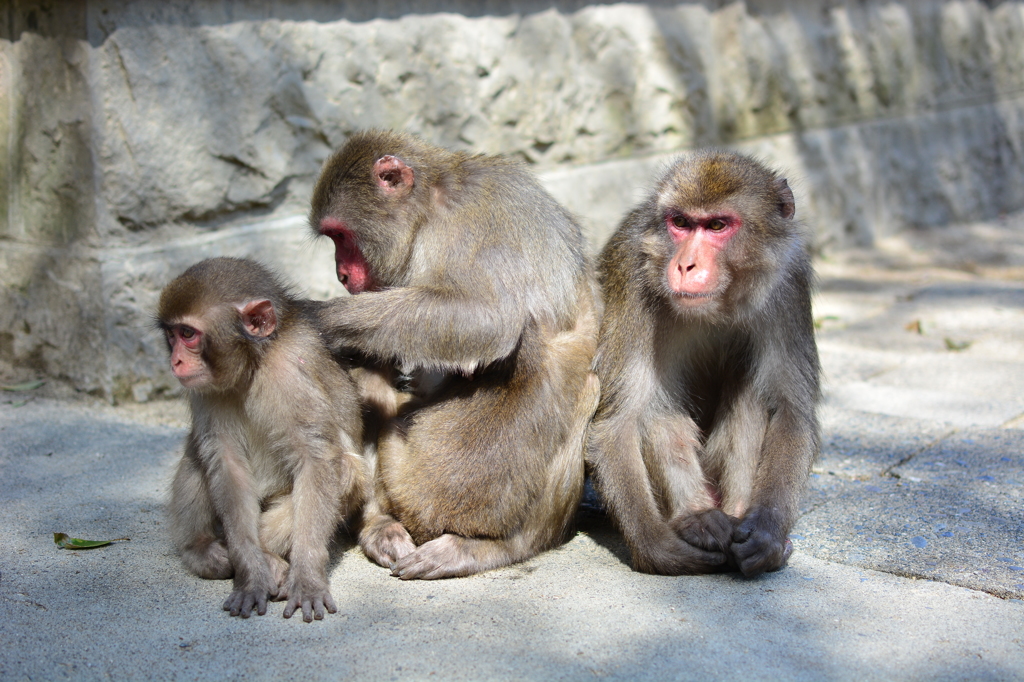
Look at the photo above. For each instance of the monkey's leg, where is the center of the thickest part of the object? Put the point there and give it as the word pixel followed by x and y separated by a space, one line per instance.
pixel 453 555
pixel 760 542
pixel 276 540
pixel 194 523
pixel 633 495
pixel 327 487
pixel 235 499
pixel 382 538
pixel 555 513
pixel 731 453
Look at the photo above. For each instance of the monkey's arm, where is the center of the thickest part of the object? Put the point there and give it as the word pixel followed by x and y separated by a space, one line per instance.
pixel 321 478
pixel 423 327
pixel 790 446
pixel 614 453
pixel 237 505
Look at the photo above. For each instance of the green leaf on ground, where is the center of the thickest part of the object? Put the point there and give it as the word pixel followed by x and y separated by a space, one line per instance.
pixel 27 386
pixel 956 345
pixel 65 542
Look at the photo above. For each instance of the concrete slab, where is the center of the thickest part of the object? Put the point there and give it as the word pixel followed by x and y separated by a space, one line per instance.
pixel 129 611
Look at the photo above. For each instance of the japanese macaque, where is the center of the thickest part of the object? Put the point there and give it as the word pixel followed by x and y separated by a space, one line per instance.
pixel 470 280
pixel 270 468
pixel 707 425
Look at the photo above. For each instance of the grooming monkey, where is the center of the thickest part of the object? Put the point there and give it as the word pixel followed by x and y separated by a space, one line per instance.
pixel 709 371
pixel 470 278
pixel 269 469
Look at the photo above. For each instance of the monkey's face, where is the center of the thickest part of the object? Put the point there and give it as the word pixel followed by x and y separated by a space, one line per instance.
pixel 185 342
pixel 688 257
pixel 694 273
pixel 352 268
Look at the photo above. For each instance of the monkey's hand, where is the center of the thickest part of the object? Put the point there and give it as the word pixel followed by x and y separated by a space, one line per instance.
pixel 711 529
pixel 312 596
pixel 759 543
pixel 251 591
pixel 671 555
pixel 385 541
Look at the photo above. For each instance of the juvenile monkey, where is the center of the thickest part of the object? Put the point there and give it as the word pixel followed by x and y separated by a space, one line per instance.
pixel 707 425
pixel 471 279
pixel 269 469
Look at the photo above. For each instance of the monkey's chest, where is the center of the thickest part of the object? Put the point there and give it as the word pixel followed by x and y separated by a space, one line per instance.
pixel 266 465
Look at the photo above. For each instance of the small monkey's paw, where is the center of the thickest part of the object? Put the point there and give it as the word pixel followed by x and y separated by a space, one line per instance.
pixel 668 554
pixel 250 594
pixel 759 543
pixel 443 557
pixel 386 541
pixel 710 529
pixel 313 598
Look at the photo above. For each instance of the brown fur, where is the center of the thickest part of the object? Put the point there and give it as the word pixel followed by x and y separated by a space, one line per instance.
pixel 707 425
pixel 481 293
pixel 271 466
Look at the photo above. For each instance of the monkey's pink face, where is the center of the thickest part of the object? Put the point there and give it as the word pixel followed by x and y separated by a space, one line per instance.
pixel 353 270
pixel 185 342
pixel 693 271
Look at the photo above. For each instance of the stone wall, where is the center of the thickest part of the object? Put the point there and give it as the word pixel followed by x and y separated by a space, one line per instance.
pixel 139 136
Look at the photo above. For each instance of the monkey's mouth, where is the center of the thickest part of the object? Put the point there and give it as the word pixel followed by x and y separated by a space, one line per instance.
pixel 687 298
pixel 192 381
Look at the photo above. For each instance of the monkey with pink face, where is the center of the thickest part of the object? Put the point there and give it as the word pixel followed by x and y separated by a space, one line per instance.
pixel 709 371
pixel 271 465
pixel 470 278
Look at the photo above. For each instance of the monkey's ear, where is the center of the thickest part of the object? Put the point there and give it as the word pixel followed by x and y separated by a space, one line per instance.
pixel 393 176
pixel 787 204
pixel 259 318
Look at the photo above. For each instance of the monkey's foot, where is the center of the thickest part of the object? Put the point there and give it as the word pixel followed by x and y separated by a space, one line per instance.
pixel 312 597
pixel 279 573
pixel 759 543
pixel 386 541
pixel 668 554
pixel 208 560
pixel 451 556
pixel 710 529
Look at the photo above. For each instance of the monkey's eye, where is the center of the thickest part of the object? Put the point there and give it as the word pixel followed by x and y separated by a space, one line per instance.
pixel 187 332
pixel 716 225
pixel 679 220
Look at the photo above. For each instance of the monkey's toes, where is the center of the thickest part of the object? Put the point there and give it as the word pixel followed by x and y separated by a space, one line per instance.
pixel 447 556
pixel 417 566
pixel 387 543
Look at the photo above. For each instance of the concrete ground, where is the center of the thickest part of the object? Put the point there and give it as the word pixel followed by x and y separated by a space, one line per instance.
pixel 909 560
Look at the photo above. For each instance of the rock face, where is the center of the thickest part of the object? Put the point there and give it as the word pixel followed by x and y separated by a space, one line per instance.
pixel 137 137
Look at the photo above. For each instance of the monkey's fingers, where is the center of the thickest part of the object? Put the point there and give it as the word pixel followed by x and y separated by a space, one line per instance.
pixel 313 606
pixel 760 544
pixel 710 529
pixel 671 555
pixel 241 602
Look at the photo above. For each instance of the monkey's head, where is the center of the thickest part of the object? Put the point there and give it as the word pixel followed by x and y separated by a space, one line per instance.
pixel 370 198
pixel 218 317
pixel 719 234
